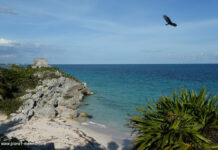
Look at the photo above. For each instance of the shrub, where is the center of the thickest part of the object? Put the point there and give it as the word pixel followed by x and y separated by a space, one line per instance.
pixel 15 80
pixel 181 122
pixel 67 96
pixel 9 106
pixel 44 102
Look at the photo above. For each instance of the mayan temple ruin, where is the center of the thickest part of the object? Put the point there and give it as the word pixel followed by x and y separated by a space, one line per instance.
pixel 40 62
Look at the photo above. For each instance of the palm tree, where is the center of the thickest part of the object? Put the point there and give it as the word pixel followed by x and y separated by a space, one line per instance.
pixel 181 122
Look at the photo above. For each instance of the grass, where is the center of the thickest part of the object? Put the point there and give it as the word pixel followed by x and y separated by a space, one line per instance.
pixel 68 96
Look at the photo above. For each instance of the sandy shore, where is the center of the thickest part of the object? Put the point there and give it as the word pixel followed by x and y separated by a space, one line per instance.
pixel 65 134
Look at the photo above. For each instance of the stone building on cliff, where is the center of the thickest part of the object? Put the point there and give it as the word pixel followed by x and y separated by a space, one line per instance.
pixel 40 62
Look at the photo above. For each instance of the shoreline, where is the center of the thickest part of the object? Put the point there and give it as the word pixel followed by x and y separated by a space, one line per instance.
pixel 62 132
pixel 103 129
pixel 49 114
pixel 121 139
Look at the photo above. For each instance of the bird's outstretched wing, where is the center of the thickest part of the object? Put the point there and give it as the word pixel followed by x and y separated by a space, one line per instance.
pixel 169 22
pixel 167 19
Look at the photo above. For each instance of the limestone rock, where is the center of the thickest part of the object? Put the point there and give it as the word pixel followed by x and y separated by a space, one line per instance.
pixel 67 113
pixel 49 98
pixel 55 102
pixel 30 113
pixel 26 96
pixel 30 103
pixel 67 103
pixel 13 114
pixel 57 73
pixel 47 111
pixel 20 118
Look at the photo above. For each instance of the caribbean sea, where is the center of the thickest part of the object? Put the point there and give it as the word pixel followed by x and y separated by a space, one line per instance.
pixel 119 89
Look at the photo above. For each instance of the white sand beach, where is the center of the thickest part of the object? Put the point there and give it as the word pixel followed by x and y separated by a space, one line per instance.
pixel 65 134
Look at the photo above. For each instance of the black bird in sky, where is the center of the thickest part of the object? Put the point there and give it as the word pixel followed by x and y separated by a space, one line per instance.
pixel 169 22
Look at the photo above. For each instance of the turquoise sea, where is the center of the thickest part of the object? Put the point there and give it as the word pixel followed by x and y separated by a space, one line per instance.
pixel 120 88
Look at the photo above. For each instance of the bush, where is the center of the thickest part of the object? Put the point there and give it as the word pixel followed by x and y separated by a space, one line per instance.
pixel 186 121
pixel 10 106
pixel 68 96
pixel 15 80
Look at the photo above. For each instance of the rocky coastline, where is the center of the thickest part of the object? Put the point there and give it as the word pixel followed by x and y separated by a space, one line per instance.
pixel 54 97
pixel 48 117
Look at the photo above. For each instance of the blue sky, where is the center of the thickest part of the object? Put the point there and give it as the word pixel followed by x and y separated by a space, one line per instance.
pixel 108 31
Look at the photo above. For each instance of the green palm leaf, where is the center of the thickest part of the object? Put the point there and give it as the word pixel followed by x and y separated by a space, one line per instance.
pixel 179 122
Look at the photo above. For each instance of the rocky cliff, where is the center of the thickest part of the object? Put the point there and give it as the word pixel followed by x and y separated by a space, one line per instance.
pixel 55 95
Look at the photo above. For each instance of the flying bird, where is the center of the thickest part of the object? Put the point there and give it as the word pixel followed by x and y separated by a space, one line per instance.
pixel 169 22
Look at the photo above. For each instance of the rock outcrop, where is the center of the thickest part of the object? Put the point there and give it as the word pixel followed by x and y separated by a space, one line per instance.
pixel 57 96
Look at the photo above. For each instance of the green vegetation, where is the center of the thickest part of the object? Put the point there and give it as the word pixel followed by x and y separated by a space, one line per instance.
pixel 188 121
pixel 69 76
pixel 33 93
pixel 10 106
pixel 68 96
pixel 15 80
pixel 52 74
pixel 44 102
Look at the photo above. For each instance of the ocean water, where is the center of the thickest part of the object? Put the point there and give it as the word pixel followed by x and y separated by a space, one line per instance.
pixel 118 89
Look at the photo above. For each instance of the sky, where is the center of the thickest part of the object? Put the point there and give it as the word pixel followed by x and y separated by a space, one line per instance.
pixel 108 31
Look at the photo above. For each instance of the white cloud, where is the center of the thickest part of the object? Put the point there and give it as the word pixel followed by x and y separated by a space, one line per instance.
pixel 7 56
pixel 17 44
pixel 5 42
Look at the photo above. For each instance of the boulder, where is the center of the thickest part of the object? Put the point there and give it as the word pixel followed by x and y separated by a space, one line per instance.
pixel 20 118
pixel 47 111
pixel 85 115
pixel 67 102
pixel 30 103
pixel 30 113
pixel 67 113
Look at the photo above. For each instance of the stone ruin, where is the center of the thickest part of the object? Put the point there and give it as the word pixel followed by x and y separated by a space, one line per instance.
pixel 40 62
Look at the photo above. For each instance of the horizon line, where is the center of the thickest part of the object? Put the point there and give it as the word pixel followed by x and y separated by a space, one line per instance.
pixel 117 64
